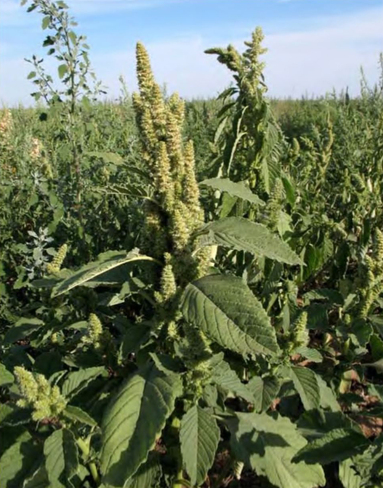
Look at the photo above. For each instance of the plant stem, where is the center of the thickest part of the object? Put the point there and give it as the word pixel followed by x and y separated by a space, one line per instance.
pixel 84 446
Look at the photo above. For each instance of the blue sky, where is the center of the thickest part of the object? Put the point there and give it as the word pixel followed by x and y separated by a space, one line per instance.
pixel 315 46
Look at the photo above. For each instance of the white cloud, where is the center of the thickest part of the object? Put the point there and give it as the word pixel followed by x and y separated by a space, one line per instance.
pixel 180 64
pixel 327 57
pixel 79 7
pixel 14 87
pixel 11 13
pixel 312 60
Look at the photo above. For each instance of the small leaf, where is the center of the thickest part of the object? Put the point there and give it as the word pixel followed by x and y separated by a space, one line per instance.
pixel 72 36
pixel 336 445
pixel 78 380
pixel 268 444
pixel 148 474
pixel 289 189
pixel 311 354
pixel 45 22
pixel 6 378
pixel 78 415
pixel 243 235
pixel 199 437
pixel 239 190
pixel 227 379
pixel 328 398
pixel 348 475
pixel 135 336
pixel 107 157
pixel 18 462
pixel 306 384
pixel 61 457
pixel 62 70
pixel 31 75
pixel 264 391
pixel 92 270
pixel 22 329
pixel 39 479
pixel 226 310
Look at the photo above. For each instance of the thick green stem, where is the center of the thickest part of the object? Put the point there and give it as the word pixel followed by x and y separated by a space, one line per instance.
pixel 84 447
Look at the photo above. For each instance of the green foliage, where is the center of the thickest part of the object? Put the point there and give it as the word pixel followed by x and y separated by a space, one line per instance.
pixel 225 309
pixel 199 437
pixel 234 335
pixel 268 444
pixel 134 420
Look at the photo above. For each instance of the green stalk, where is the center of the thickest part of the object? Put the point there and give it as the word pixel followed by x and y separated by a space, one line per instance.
pixel 84 446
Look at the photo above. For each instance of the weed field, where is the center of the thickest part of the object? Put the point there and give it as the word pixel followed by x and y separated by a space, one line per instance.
pixel 191 292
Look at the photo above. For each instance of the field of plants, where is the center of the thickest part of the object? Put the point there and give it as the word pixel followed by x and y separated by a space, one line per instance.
pixel 191 292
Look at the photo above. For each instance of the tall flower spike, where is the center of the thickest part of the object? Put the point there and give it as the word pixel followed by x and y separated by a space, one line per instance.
pixel 180 229
pixel 190 187
pixel 274 204
pixel 144 70
pixel 164 183
pixel 158 109
pixel 37 393
pixel 154 237
pixel 177 106
pixel 27 383
pixel 300 333
pixel 174 144
pixel 378 251
pixel 95 329
pixel 55 265
pixel 168 282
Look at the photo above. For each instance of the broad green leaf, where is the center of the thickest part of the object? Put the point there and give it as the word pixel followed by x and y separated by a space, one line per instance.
pixel 324 294
pixel 18 462
pixel 264 391
pixel 92 270
pixel 376 345
pixel 135 336
pixel 348 475
pixel 268 444
pixel 289 189
pixel 226 310
pixel 108 157
pixel 243 235
pixel 327 397
pixel 314 424
pixel 6 378
pixel 306 383
pixel 134 420
pixel 39 479
pixel 5 411
pixel 22 329
pixel 311 354
pixel 13 416
pixel 227 379
pixel 199 437
pixel 228 203
pixel 148 474
pixel 78 415
pixel 239 190
pixel 78 380
pixel 61 458
pixel 335 445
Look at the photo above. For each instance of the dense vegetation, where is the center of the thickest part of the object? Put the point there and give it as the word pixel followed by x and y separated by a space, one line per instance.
pixel 190 292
